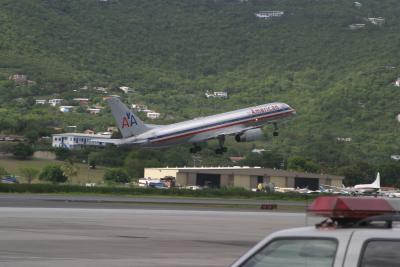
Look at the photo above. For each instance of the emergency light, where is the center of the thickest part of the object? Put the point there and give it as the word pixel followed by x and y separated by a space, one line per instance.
pixel 352 208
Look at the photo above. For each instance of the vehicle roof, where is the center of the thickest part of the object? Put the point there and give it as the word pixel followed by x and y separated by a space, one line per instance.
pixel 312 231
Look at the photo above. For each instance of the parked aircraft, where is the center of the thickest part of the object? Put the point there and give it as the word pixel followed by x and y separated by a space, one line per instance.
pixel 369 188
pixel 244 124
pixel 359 189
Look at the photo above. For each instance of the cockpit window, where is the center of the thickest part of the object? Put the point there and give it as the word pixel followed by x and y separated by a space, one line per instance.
pixel 295 253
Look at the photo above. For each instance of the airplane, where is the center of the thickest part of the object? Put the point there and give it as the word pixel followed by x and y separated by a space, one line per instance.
pixel 359 189
pixel 244 124
pixel 369 188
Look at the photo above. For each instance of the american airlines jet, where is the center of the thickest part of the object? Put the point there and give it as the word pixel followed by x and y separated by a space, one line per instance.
pixel 244 124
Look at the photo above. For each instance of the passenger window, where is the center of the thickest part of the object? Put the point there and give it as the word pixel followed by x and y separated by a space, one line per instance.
pixel 295 253
pixel 381 253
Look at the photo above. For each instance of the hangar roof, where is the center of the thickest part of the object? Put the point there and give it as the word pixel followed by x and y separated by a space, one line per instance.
pixel 256 171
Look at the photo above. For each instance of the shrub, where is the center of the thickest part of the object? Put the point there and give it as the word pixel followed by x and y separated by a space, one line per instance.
pixel 116 175
pixel 53 174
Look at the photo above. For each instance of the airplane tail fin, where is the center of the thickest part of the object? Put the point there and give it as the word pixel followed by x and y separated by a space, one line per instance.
pixel 377 182
pixel 128 123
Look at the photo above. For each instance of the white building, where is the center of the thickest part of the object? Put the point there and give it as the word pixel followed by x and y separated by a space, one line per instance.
pixel 217 94
pixel 395 157
pixel 40 101
pixel 126 89
pixel 152 115
pixel 377 21
pixel 397 82
pixel 356 26
pixel 94 111
pixel 81 101
pixel 357 4
pixel 343 139
pixel 269 14
pixel 139 107
pixel 55 101
pixel 77 140
pixel 66 109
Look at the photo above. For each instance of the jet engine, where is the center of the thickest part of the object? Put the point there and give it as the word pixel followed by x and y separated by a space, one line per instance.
pixel 249 135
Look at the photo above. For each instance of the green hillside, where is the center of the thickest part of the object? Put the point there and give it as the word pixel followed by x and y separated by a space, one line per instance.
pixel 172 51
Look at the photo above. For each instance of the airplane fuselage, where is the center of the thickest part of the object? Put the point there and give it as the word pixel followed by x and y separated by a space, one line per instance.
pixel 205 128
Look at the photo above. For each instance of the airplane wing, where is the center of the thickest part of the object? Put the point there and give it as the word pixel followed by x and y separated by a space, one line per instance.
pixel 118 142
pixel 229 131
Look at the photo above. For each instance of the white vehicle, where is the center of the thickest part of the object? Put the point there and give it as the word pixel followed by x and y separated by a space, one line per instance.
pixel 244 124
pixel 147 182
pixel 362 232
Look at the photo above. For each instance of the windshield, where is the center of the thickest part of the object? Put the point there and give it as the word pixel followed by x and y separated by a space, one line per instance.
pixel 295 253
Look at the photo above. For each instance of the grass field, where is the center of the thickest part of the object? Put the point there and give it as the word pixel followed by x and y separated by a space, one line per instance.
pixel 85 174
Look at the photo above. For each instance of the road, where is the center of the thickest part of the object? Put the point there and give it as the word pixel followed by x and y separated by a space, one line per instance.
pixel 71 236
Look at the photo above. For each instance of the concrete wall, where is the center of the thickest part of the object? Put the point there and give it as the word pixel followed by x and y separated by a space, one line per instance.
pixel 157 173
pixel 242 181
pixel 181 179
pixel 278 181
pixel 191 178
pixel 336 182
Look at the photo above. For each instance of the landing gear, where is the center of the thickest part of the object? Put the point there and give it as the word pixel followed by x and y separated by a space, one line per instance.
pixel 275 133
pixel 195 149
pixel 221 149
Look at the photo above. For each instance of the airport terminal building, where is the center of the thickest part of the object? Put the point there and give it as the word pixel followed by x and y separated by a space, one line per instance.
pixel 246 177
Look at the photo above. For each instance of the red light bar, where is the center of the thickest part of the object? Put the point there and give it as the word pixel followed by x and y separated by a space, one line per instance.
pixel 350 207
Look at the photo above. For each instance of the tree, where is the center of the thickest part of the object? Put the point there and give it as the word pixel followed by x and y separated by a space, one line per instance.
pixel 53 174
pixel 69 169
pixel 62 153
pixel 302 164
pixel 29 173
pixel 116 175
pixel 22 151
pixel 3 171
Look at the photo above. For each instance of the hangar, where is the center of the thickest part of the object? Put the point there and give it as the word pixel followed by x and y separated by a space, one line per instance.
pixel 246 177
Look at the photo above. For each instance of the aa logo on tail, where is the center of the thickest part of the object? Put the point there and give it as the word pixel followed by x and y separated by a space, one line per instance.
pixel 128 120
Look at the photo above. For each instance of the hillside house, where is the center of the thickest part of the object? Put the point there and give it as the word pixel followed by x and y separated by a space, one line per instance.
pixel 40 101
pixel 139 107
pixel 82 101
pixel 343 139
pixel 395 157
pixel 66 109
pixel 397 82
pixel 55 101
pixel 126 89
pixel 19 78
pixel 153 115
pixel 100 89
pixel 269 14
pixel 357 4
pixel 78 140
pixel 377 21
pixel 94 111
pixel 217 94
pixel 356 26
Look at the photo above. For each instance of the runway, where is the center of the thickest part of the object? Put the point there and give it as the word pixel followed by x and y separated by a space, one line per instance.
pixel 57 236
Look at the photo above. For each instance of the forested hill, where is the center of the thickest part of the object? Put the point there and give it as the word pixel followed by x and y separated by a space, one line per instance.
pixel 171 51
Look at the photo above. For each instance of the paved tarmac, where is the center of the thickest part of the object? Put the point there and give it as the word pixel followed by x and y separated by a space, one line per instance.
pixel 59 236
pixel 59 200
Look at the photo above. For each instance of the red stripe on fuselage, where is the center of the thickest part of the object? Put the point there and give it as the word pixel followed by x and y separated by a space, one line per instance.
pixel 224 126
